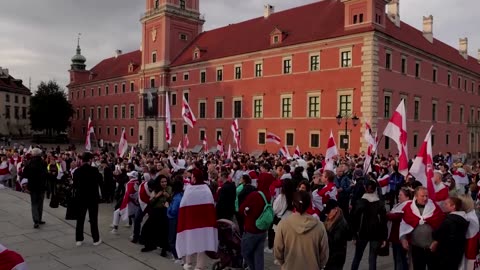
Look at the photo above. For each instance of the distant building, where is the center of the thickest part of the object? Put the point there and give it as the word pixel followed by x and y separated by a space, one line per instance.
pixel 290 73
pixel 14 105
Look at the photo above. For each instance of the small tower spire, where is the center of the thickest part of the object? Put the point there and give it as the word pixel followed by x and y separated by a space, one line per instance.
pixel 78 60
pixel 79 51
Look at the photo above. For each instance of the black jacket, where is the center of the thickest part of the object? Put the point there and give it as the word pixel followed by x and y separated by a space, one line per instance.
pixel 369 220
pixel 226 201
pixel 36 172
pixel 338 236
pixel 451 241
pixel 86 183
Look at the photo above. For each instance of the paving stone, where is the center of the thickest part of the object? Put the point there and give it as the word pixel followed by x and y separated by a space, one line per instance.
pixel 14 239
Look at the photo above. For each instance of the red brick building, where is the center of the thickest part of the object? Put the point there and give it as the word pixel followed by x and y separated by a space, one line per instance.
pixel 290 73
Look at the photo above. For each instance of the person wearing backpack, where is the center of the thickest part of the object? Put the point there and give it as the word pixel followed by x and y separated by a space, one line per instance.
pixel 369 225
pixel 258 217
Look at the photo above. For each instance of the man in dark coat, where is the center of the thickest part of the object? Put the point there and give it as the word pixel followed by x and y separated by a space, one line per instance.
pixel 36 173
pixel 86 184
pixel 226 198
pixel 108 189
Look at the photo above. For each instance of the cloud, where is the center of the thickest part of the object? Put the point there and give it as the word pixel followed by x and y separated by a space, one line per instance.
pixel 38 38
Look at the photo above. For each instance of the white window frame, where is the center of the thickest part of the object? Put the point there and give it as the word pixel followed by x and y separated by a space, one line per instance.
pixel 389 53
pixel 290 96
pixel 255 69
pixel 130 111
pixel 235 71
pixel 258 136
pixel 200 76
pixel 387 94
pixel 449 105
pixel 253 107
pixel 223 107
pixel 310 61
pixel 314 94
pixel 99 115
pixel 186 91
pixel 419 99
pixel 186 74
pixel 216 74
pixel 436 111
pixel 173 78
pixel 346 49
pixel 241 107
pixel 290 131
pixel 345 92
pixel 200 134
pixel 200 101
pixel 221 133
pixel 152 60
pixel 291 65
pixel 314 132
pixel 461 111
pixel 404 57
pixel 121 112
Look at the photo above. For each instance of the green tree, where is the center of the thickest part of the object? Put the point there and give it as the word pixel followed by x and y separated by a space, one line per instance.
pixel 50 110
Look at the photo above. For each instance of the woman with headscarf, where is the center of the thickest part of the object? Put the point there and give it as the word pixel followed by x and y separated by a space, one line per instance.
pixel 197 223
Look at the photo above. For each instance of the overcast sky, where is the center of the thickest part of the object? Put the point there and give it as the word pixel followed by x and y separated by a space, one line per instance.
pixel 38 37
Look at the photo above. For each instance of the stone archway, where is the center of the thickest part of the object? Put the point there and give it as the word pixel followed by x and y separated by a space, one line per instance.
pixel 150 141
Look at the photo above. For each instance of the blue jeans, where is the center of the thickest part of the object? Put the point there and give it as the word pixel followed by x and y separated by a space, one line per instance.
pixel 172 236
pixel 137 223
pixel 372 256
pixel 252 250
pixel 399 257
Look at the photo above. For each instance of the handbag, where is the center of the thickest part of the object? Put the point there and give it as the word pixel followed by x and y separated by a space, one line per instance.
pixel 72 208
pixel 384 251
pixel 54 202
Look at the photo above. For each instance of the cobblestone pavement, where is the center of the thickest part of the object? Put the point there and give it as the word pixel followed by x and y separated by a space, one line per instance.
pixel 52 247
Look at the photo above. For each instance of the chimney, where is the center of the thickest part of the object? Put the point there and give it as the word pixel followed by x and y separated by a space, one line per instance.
pixel 393 12
pixel 4 73
pixel 118 53
pixel 463 47
pixel 268 10
pixel 428 28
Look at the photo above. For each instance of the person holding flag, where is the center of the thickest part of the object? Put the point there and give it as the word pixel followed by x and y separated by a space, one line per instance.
pixel 168 120
pixel 187 113
pixel 205 144
pixel 236 134
pixel 90 130
pixel 397 130
pixel 123 144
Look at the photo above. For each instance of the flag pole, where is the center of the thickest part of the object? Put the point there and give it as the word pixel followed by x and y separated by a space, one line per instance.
pixel 372 157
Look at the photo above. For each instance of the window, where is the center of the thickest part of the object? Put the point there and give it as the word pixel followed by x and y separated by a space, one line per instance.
pixel 449 113
pixel 434 111
pixel 24 100
pixel 417 69
pixel 346 58
pixel 218 133
pixel 24 113
pixel 459 82
pixel 16 98
pixel 202 134
pixel 185 37
pixel 287 66
pixel 219 109
pixel 83 130
pixel 115 131
pixel 174 128
pixel 84 93
pixel 124 88
pixel 459 138
pixel 106 113
pixel 275 39
pixel 387 143
pixel 106 90
pixel 186 76
pixel 78 94
pixel 91 92
pixel 261 138
pixel 157 3
pixel 415 140
pixel 16 112
pixel 345 104
pixel 152 82
pixel 287 107
pixel 314 106
pixel 416 114
pixel 132 111
pixel 465 85
pixel 99 90
pixel 258 70
pixel 185 129
pixel 202 109
pixel 237 109
pixel 203 76
pixel 173 97
pixel 154 57
pixel 449 79
pixel 447 139
pixel 314 140
pixel 360 18
pixel 461 115
pixel 131 132
pixel 78 114
pixel 84 114
pixel 99 130
pixel 99 112
pixel 473 87
pixel 404 65
pixel 314 62
pixel 115 112
pixel 219 75
pixel 355 19
pixel 132 86
pixel 257 107
pixel 186 95
pixel 182 4
pixel 434 75
pixel 7 98
pixel 174 78
pixel 433 139
pixel 115 89
pixel 290 138
pixel 387 105
pixel 108 130
pixel 388 60
pixel 7 112
pixel 238 72
pixel 124 112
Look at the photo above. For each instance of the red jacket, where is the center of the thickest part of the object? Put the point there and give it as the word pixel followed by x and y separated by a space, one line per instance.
pixel 255 204
pixel 395 218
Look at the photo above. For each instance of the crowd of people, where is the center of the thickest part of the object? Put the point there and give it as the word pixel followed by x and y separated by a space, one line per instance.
pixel 296 209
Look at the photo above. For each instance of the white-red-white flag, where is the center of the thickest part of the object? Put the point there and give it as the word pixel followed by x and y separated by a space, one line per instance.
pixel 123 144
pixel 284 151
pixel 397 130
pixel 273 138
pixel 187 113
pixel 205 143
pixel 220 145
pixel 186 142
pixel 422 167
pixel 229 153
pixel 383 183
pixel 372 145
pixel 90 130
pixel 236 133
pixel 132 152
pixel 179 147
pixel 297 152
pixel 332 151
pixel 168 120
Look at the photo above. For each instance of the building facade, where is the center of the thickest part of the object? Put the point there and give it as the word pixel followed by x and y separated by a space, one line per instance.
pixel 290 73
pixel 14 106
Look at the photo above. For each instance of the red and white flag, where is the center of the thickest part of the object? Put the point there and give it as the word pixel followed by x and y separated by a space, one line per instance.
pixel 422 167
pixel 273 138
pixel 397 130
pixel 229 153
pixel 383 183
pixel 186 142
pixel 220 145
pixel 372 146
pixel 122 145
pixel 128 198
pixel 5 173
pixel 431 215
pixel 133 153
pixel 90 130
pixel 205 143
pixel 11 260
pixel 332 151
pixel 168 120
pixel 179 147
pixel 460 176
pixel 472 235
pixel 197 222
pixel 236 134
pixel 285 153
pixel 144 195
pixel 297 152
pixel 187 113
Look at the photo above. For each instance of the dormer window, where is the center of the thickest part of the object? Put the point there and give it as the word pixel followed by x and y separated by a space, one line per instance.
pixel 130 67
pixel 358 18
pixel 183 37
pixel 275 39
pixel 276 36
pixel 197 53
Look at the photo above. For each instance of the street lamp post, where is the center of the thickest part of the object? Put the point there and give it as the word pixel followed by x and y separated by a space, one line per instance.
pixel 345 140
